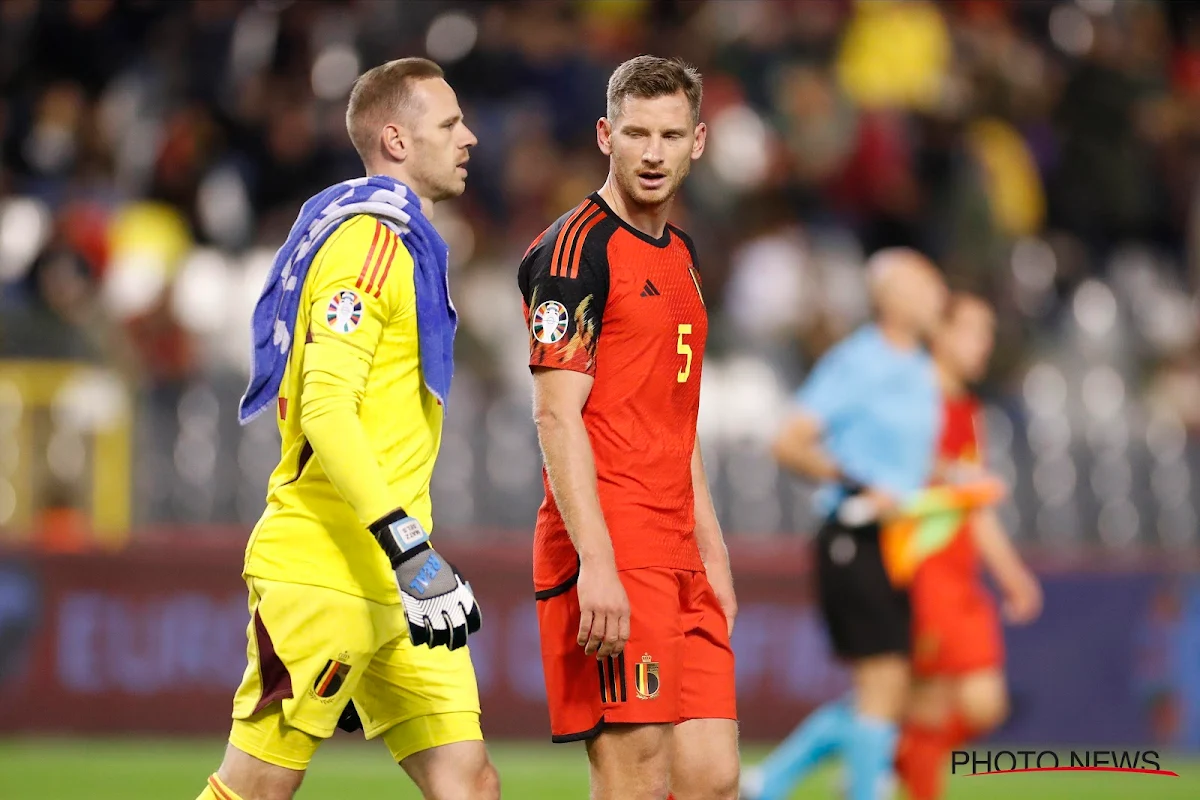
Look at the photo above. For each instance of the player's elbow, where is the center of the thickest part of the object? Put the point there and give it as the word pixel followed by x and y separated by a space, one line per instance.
pixel 795 439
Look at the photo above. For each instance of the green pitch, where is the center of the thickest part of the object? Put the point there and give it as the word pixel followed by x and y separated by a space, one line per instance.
pixel 51 769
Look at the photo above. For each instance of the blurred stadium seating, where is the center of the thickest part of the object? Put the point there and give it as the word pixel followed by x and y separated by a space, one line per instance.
pixel 1046 153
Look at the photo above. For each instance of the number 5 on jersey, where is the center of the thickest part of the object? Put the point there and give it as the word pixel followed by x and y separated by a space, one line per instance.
pixel 684 349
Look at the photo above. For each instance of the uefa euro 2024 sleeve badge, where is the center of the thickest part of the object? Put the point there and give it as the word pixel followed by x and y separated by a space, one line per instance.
pixel 549 322
pixel 645 678
pixel 344 311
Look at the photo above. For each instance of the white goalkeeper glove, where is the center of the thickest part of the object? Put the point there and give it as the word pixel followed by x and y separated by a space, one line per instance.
pixel 438 603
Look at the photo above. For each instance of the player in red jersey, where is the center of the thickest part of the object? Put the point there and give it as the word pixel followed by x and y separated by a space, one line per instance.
pixel 958 655
pixel 634 595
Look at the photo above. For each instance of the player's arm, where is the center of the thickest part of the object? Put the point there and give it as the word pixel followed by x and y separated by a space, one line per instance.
pixel 1020 587
pixel 558 398
pixel 352 302
pixel 827 398
pixel 566 310
pixel 711 541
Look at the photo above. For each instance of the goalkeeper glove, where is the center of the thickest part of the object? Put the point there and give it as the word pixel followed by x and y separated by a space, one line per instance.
pixel 439 605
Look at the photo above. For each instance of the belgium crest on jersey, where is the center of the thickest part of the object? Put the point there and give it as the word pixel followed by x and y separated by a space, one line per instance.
pixel 645 678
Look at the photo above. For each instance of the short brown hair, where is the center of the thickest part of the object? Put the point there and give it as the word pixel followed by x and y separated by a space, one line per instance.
pixel 651 76
pixel 380 95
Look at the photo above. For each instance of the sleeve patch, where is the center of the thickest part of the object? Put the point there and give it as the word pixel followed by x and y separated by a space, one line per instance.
pixel 344 312
pixel 549 322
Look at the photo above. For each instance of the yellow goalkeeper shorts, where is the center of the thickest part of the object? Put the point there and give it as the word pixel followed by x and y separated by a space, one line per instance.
pixel 310 650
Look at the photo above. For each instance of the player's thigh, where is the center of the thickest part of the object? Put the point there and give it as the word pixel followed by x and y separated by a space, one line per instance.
pixel 709 685
pixel 704 760
pixel 307 648
pixel 630 762
pixel 982 698
pixel 251 777
pixel 881 685
pixel 419 697
pixel 458 771
pixel 931 700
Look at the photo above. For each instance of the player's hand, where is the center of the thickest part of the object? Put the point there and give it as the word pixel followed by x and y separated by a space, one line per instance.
pixel 867 506
pixel 1022 593
pixel 603 610
pixel 438 603
pixel 721 579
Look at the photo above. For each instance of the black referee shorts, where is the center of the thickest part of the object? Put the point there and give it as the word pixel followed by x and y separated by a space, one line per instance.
pixel 866 615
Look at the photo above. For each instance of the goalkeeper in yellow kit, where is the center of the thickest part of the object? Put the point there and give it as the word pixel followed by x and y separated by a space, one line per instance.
pixel 355 619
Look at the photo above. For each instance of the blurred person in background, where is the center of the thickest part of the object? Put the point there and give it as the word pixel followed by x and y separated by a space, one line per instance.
pixel 958 649
pixel 628 553
pixel 865 428
pixel 356 622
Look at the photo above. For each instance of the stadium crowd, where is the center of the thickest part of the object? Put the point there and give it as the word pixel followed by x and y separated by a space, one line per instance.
pixel 1045 154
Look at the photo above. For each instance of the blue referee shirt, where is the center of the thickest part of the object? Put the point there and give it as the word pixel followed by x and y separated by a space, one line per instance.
pixel 880 411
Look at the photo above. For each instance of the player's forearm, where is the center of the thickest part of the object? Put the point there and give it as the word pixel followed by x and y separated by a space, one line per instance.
pixel 709 539
pixel 995 549
pixel 798 449
pixel 571 468
pixel 329 420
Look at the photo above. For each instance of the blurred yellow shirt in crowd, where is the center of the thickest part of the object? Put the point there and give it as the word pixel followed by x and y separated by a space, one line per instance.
pixel 895 54
pixel 360 430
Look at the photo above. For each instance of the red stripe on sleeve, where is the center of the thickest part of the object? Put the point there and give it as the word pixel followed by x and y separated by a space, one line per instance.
pixel 564 236
pixel 370 256
pixel 387 266
pixel 573 269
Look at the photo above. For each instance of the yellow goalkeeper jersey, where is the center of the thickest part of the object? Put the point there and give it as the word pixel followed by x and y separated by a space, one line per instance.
pixel 360 430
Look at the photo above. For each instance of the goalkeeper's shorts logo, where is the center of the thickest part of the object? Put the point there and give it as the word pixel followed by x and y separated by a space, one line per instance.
pixel 344 312
pixel 331 678
pixel 645 678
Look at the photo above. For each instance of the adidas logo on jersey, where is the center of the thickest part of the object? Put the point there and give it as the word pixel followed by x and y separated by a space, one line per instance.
pixel 650 290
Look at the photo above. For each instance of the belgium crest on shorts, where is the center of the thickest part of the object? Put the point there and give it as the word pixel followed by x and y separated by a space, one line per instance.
pixel 330 679
pixel 645 678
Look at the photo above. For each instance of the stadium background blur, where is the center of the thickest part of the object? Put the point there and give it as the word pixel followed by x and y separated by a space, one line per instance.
pixel 154 154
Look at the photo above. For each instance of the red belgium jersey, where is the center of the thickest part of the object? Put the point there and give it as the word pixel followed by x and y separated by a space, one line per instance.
pixel 605 299
pixel 961 445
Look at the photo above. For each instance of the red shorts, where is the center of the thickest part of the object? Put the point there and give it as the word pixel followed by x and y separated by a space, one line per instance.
pixel 677 664
pixel 955 626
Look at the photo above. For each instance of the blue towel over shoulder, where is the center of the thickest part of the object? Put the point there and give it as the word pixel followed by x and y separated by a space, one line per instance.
pixel 274 319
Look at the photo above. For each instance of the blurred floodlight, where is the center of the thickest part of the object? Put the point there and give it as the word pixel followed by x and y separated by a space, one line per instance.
pixel 450 37
pixel 1034 263
pixel 1054 480
pixel 1095 308
pixel 1168 320
pixel 91 400
pixel 200 296
pixel 133 284
pixel 66 455
pixel 739 146
pixel 1049 434
pixel 1071 30
pixel 1112 477
pixel 1103 392
pixel 1045 390
pixel 223 207
pixel 1118 522
pixel 334 71
pixel 1097 8
pixel 254 36
pixel 1171 483
pixel 24 228
pixel 1166 437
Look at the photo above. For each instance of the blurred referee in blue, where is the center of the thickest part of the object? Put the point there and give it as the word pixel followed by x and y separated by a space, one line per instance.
pixel 865 428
